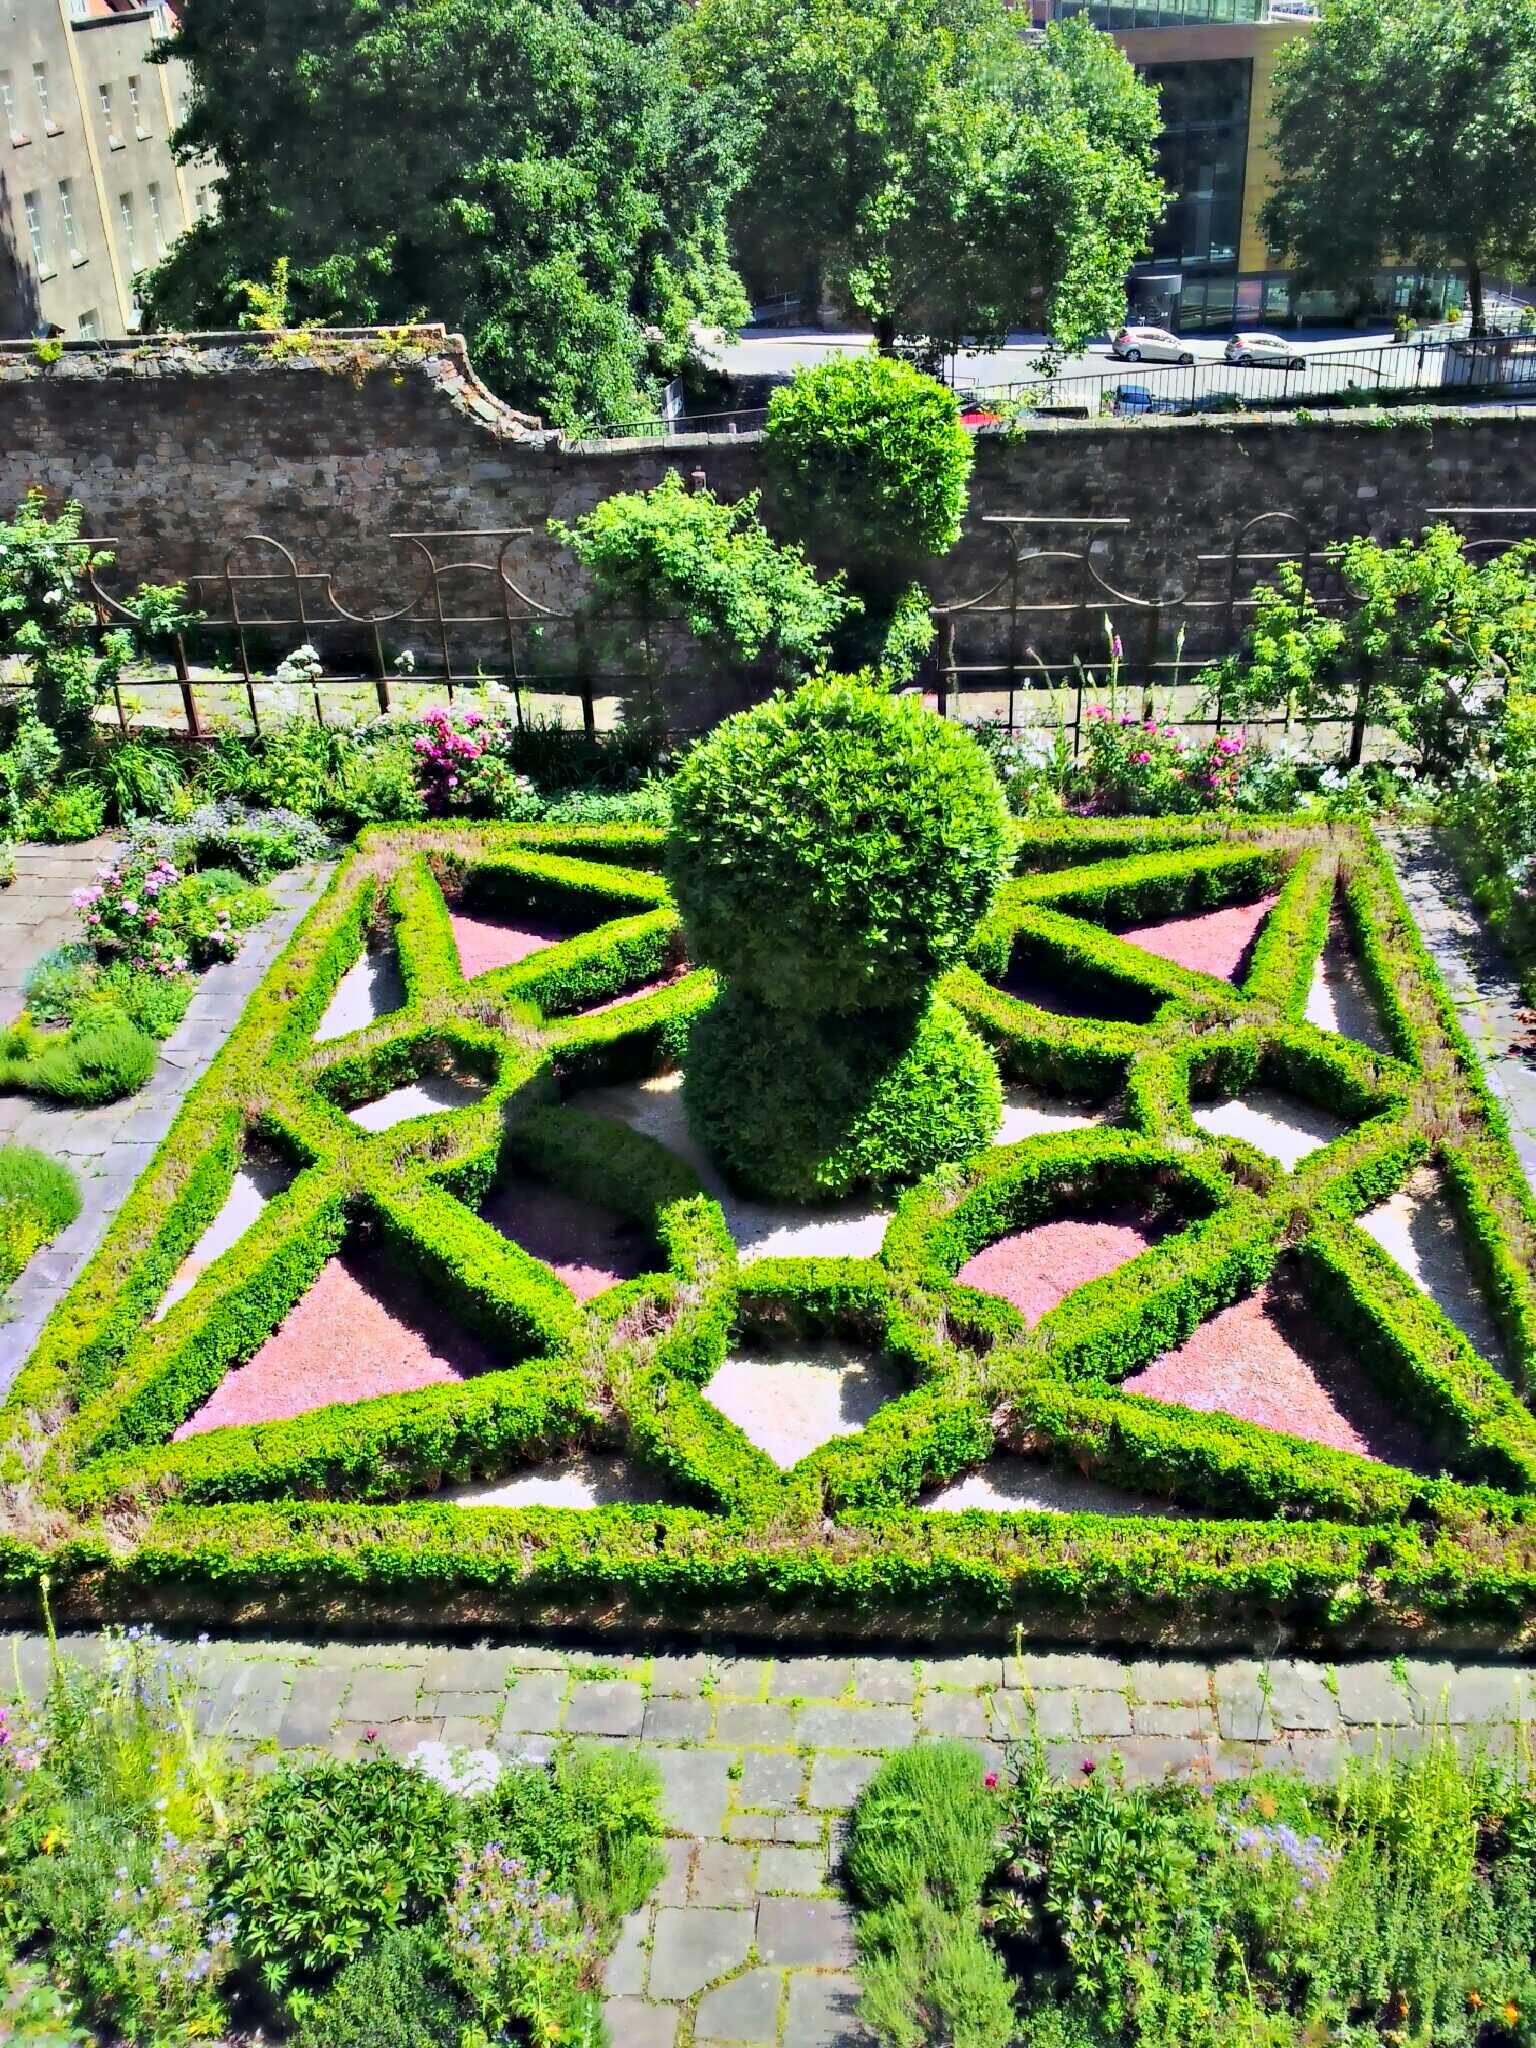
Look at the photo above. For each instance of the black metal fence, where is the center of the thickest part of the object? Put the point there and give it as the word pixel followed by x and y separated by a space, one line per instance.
pixel 1050 631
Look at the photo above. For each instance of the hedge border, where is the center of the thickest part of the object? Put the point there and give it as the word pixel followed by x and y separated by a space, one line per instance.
pixel 262 1515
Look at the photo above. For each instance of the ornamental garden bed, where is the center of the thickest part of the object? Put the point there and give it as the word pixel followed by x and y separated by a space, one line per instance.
pixel 1226 1332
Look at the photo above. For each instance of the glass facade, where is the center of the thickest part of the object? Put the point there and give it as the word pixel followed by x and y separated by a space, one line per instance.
pixel 1130 14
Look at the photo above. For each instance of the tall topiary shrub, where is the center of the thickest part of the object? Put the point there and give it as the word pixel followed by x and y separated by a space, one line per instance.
pixel 832 852
pixel 870 466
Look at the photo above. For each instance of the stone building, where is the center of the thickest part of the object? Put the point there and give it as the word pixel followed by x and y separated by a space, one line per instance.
pixel 90 193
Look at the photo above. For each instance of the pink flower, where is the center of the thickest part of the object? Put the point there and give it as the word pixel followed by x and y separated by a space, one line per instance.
pixel 990 1781
pixel 1142 759
pixel 370 1735
pixel 1117 651
pixel 1088 1767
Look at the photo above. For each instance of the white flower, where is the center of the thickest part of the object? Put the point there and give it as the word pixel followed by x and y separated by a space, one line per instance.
pixel 302 666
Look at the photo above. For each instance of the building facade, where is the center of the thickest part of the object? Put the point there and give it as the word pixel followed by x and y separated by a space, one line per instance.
pixel 1210 266
pixel 90 193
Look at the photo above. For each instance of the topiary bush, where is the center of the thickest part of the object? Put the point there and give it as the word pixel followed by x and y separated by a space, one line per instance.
pixel 870 465
pixel 832 853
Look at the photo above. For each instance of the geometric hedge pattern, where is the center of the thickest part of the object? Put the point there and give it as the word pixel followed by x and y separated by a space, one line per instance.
pixel 337 1510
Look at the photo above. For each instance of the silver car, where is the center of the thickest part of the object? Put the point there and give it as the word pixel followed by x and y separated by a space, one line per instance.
pixel 1149 345
pixel 1270 350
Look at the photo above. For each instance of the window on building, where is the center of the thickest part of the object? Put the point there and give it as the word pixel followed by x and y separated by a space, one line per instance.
pixel 40 87
pixel 204 201
pixel 135 110
pixel 8 107
pixel 78 9
pixel 32 207
pixel 67 220
pixel 90 329
pixel 130 240
pixel 104 97
pixel 1202 156
pixel 156 219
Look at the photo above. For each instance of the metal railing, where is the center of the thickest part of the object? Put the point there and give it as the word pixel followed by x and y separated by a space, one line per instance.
pixel 1037 632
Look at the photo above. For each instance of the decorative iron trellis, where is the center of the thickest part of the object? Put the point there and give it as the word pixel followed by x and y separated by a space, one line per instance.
pixel 1010 637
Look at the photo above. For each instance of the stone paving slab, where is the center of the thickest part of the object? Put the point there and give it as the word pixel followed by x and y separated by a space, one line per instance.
pixel 108 1147
pixel 746 1939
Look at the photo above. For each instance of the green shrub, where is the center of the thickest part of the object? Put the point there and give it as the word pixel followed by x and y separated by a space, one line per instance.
pixel 39 1197
pixel 331 1857
pixel 69 983
pixel 590 1823
pixel 869 461
pixel 395 1995
pixel 33 2013
pixel 925 1840
pixel 670 551
pixel 101 1059
pixel 834 850
pixel 76 810
pixel 806 1110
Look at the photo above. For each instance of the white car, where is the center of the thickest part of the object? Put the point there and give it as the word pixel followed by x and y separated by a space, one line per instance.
pixel 1149 345
pixel 1270 349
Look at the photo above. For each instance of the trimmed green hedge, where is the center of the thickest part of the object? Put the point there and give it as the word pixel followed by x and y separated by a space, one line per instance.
pixel 333 1510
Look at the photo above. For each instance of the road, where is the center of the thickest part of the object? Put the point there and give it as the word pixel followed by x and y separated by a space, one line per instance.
pixel 1333 361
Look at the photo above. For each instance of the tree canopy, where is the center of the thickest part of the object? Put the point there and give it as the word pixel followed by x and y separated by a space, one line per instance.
pixel 1406 130
pixel 953 178
pixel 541 175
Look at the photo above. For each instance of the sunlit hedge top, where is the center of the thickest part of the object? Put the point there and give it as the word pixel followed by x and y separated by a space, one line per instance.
pixel 834 849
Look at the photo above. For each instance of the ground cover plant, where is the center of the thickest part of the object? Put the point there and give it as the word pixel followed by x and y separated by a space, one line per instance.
pixel 157 1892
pixel 149 1484
pixel 39 1197
pixel 1012 1909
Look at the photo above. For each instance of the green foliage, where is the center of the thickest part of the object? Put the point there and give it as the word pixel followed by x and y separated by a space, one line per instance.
pixel 33 2013
pixel 395 1995
pixel 833 851
pixel 27 765
pixel 577 202
pixel 668 550
pixel 804 1109
pixel 923 1844
pixel 140 778
pixel 1400 1897
pixel 983 170
pixel 102 1058
pixel 47 622
pixel 1490 809
pixel 38 1197
pixel 1430 632
pixel 1449 82
pixel 70 983
pixel 329 1858
pixel 868 459
pixel 75 810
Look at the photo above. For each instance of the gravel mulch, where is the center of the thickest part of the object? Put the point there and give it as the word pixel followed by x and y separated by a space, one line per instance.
pixel 1214 942
pixel 1037 1268
pixel 588 1247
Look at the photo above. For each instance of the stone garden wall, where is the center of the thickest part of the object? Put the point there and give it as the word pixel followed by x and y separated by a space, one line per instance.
pixel 179 448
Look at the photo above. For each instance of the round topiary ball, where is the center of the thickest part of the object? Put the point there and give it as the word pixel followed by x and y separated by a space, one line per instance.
pixel 869 463
pixel 794 1111
pixel 833 850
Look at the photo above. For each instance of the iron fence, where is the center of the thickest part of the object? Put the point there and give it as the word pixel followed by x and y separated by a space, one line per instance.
pixel 1033 644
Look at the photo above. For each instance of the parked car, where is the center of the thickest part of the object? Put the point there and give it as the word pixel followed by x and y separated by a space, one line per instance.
pixel 1149 345
pixel 974 414
pixel 1259 350
pixel 1137 398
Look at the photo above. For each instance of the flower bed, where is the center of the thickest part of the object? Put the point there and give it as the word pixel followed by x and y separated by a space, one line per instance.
pixel 344 1509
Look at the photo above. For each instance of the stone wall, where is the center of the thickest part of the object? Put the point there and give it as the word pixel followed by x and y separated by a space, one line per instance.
pixel 331 445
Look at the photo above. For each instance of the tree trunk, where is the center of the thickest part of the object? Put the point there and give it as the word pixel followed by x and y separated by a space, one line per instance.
pixel 1475 298
pixel 885 334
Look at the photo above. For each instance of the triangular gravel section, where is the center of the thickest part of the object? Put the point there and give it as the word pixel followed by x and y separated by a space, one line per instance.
pixel 1035 1269
pixel 1339 999
pixel 1418 1228
pixel 1013 1485
pixel 585 1479
pixel 1214 942
pixel 1284 1126
pixel 257 1182
pixel 791 1403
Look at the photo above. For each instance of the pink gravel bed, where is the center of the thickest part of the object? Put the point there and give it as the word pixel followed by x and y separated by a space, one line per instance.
pixel 1213 942
pixel 633 995
pixel 485 943
pixel 589 1247
pixel 1261 1361
pixel 361 1330
pixel 1037 1268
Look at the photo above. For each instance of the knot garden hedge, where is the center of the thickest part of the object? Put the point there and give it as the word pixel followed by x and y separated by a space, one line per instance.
pixel 333 1515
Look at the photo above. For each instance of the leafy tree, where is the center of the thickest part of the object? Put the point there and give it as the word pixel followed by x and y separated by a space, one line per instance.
pixel 1405 130
pixel 1430 633
pixel 669 551
pixel 538 173
pixel 953 178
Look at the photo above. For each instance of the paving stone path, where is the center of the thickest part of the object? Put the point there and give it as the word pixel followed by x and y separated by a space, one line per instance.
pixel 747 1940
pixel 1479 977
pixel 108 1146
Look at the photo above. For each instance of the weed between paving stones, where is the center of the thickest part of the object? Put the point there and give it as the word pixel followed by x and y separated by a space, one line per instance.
pixel 347 1508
